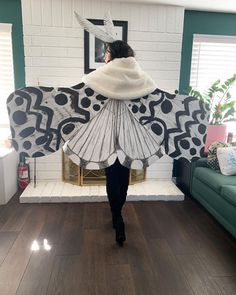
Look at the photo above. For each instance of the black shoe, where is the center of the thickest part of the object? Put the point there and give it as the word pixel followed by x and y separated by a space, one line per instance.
pixel 120 231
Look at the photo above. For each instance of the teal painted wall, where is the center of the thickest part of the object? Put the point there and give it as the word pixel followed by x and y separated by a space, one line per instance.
pixel 10 12
pixel 198 22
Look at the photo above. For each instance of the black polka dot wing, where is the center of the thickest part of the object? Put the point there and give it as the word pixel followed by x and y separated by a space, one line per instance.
pixel 176 122
pixel 42 119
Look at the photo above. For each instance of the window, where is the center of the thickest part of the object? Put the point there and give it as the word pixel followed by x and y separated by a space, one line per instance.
pixel 6 77
pixel 213 57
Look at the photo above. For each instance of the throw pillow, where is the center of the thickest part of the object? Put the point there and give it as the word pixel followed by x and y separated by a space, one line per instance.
pixel 227 160
pixel 212 160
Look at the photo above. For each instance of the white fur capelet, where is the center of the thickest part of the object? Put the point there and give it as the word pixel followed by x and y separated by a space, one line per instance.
pixel 122 79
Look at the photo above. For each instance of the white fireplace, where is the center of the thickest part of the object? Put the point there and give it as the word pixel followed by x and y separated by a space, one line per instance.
pixel 50 169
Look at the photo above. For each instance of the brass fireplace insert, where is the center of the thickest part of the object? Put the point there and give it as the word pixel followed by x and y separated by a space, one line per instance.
pixel 74 174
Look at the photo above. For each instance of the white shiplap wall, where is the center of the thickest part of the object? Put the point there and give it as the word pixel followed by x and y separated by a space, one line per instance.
pixel 54 55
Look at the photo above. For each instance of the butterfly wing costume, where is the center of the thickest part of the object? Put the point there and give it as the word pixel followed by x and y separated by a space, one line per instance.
pixel 116 111
pixel 100 119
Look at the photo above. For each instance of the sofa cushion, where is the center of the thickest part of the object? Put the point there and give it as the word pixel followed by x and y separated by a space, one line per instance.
pixel 213 179
pixel 212 160
pixel 227 160
pixel 228 192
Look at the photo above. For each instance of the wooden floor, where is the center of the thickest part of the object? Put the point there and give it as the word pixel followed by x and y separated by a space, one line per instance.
pixel 172 248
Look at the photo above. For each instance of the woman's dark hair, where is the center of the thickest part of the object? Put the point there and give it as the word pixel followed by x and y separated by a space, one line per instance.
pixel 119 49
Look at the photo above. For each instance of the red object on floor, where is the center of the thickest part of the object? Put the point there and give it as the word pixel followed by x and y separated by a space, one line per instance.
pixel 23 175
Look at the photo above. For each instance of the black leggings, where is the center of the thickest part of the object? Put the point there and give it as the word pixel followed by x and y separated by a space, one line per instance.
pixel 117 182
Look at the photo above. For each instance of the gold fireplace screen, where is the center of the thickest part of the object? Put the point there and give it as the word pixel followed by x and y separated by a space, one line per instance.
pixel 74 174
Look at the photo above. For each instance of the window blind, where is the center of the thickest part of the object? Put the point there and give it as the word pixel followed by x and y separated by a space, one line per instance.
pixel 213 58
pixel 6 71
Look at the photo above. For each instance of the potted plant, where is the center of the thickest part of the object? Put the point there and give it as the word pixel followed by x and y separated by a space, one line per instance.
pixel 222 108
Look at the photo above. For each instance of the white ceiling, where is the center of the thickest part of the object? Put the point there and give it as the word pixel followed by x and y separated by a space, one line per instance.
pixel 207 5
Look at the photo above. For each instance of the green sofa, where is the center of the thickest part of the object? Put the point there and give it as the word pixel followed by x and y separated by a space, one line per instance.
pixel 216 192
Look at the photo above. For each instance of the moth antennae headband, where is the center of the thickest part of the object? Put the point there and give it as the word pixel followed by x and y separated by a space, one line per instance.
pixel 107 36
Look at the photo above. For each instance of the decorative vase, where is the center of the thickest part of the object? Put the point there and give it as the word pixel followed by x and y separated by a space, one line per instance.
pixel 215 133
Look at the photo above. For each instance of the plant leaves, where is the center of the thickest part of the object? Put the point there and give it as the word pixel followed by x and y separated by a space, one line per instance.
pixel 219 99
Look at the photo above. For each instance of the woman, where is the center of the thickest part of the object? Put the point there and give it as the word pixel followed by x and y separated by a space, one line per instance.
pixel 116 119
pixel 117 176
